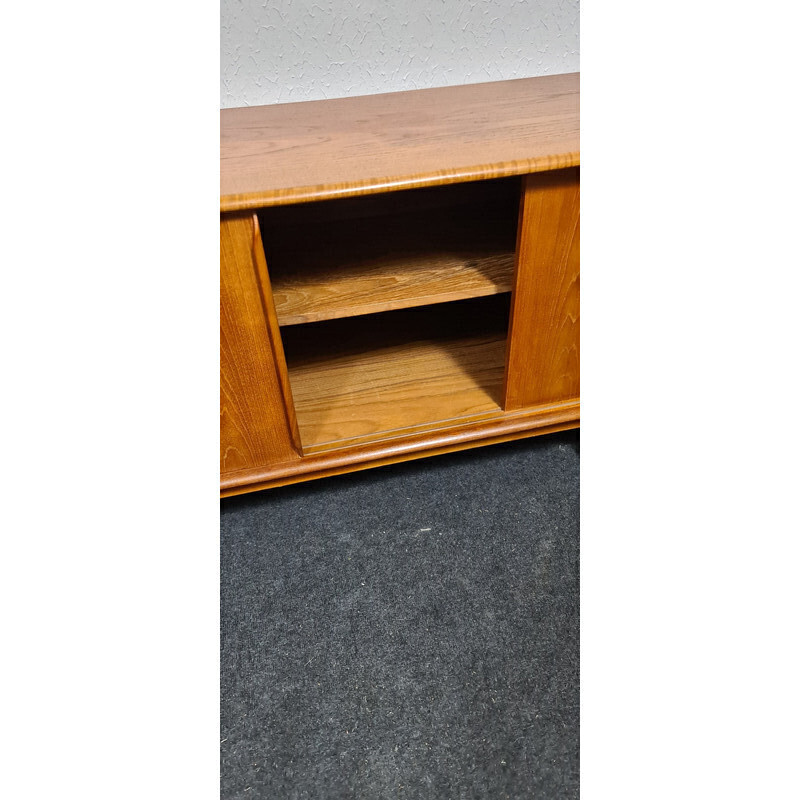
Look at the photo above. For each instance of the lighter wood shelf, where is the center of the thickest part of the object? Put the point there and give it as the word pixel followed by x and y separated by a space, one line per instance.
pixel 370 379
pixel 421 248
pixel 384 288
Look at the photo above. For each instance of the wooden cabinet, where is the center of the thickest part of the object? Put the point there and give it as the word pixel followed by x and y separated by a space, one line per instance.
pixel 399 277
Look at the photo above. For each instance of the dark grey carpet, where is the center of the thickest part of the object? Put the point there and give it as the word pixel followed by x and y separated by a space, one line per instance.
pixel 410 631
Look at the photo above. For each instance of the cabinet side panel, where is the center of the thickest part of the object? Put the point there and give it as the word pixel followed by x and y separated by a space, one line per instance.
pixel 543 356
pixel 255 429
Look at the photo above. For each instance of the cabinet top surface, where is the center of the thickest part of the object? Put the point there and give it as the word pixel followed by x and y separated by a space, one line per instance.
pixel 296 152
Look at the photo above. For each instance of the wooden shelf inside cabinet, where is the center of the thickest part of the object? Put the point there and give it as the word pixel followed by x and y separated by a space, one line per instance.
pixel 373 254
pixel 399 277
pixel 378 377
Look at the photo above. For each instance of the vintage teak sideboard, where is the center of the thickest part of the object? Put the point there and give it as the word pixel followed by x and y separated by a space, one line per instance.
pixel 399 277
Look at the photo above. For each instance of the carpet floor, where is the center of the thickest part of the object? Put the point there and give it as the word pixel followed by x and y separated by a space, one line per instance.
pixel 409 631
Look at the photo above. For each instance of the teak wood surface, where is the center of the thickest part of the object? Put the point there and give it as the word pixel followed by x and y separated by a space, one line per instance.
pixel 295 152
pixel 257 424
pixel 543 364
pixel 388 284
pixel 333 239
pixel 436 441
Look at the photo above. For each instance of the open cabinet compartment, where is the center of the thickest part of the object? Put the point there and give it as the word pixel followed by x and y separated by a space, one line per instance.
pixel 394 308
pixel 361 255
pixel 373 377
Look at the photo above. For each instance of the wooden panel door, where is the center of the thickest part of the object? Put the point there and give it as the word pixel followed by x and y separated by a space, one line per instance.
pixel 257 420
pixel 543 357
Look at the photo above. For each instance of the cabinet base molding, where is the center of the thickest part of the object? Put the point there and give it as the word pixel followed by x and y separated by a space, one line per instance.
pixel 547 419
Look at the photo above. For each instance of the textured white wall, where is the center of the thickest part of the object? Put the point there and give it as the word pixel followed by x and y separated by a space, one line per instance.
pixel 281 51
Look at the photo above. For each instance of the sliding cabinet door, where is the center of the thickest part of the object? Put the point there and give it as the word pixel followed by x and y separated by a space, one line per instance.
pixel 257 421
pixel 543 355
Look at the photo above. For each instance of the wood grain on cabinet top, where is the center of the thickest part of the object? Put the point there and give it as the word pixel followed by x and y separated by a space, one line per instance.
pixel 297 152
